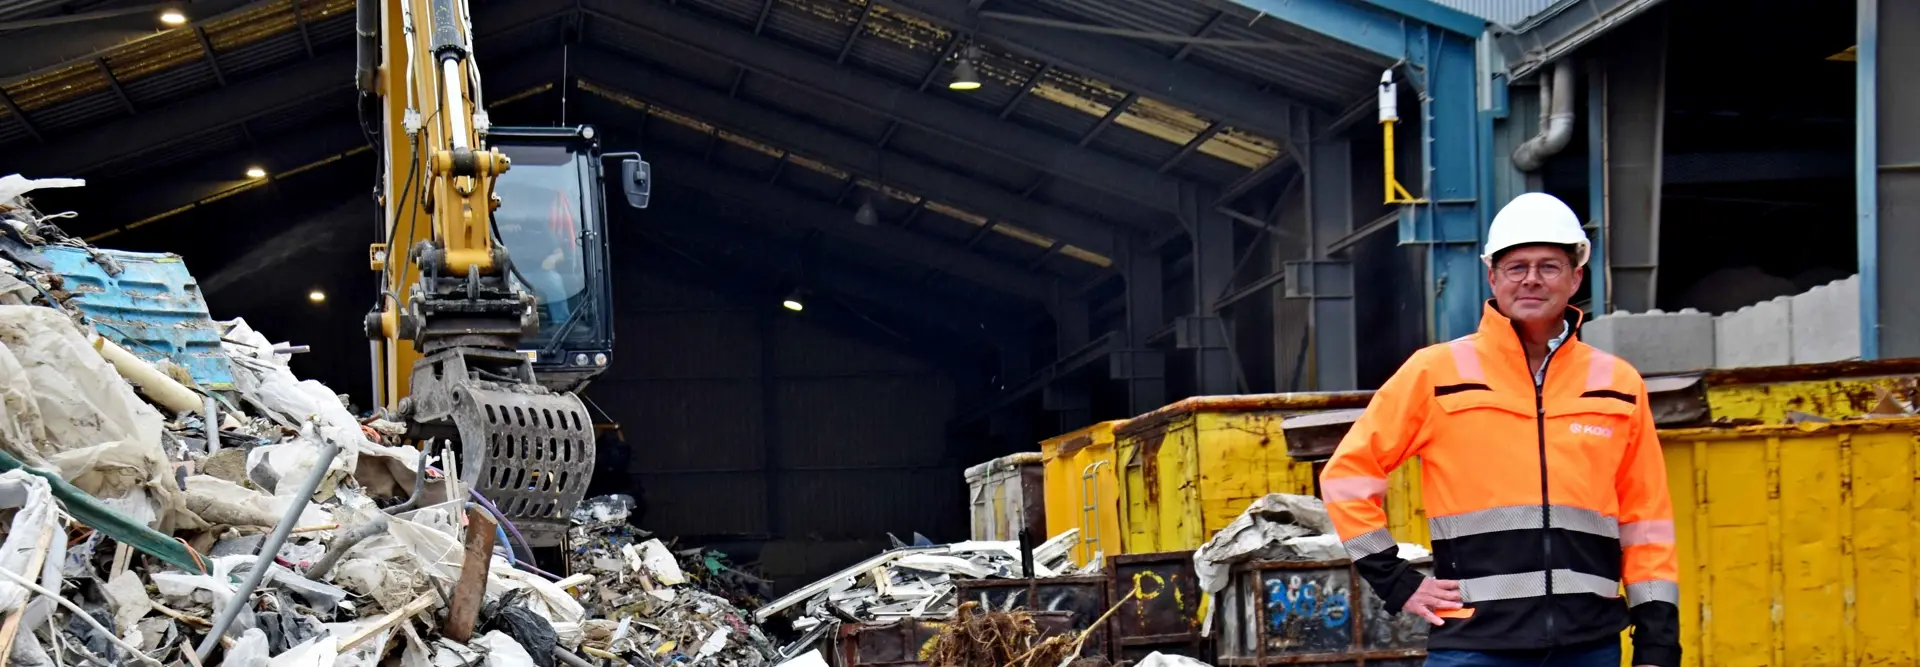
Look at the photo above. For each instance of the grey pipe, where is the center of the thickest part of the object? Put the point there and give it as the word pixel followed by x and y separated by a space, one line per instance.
pixel 269 549
pixel 1556 120
pixel 345 540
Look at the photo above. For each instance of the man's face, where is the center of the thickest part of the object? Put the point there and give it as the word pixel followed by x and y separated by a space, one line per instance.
pixel 1534 283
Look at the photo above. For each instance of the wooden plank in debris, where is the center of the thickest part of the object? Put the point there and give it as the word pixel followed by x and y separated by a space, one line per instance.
pixel 470 592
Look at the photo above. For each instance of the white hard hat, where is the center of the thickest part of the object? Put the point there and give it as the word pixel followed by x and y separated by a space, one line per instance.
pixel 1536 217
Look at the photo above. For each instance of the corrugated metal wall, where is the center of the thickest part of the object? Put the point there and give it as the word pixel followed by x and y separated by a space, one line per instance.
pixel 747 423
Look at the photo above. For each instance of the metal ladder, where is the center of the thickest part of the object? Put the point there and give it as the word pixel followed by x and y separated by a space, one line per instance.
pixel 1089 506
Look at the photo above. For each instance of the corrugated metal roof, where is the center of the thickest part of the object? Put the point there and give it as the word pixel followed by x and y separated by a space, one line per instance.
pixel 1504 12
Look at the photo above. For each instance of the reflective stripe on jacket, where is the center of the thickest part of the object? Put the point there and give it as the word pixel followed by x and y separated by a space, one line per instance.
pixel 1544 501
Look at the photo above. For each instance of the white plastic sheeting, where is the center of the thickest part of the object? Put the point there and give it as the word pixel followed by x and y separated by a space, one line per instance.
pixel 84 420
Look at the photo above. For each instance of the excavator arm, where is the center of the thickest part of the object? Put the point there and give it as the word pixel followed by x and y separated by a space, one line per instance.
pixel 453 310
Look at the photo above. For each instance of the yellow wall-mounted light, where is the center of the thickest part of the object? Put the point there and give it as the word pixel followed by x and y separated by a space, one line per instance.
pixel 173 17
pixel 317 296
pixel 1390 116
pixel 256 172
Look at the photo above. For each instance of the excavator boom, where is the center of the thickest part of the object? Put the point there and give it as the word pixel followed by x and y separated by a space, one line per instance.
pixel 455 308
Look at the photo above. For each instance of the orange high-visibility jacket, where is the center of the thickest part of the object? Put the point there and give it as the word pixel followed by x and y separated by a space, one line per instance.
pixel 1542 499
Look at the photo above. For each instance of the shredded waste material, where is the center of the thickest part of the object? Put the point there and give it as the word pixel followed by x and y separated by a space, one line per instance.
pixel 194 503
pixel 139 492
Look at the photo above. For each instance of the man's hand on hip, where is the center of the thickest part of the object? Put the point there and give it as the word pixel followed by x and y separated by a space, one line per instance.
pixel 1434 594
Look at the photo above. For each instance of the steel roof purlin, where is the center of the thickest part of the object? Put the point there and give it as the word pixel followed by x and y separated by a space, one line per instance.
pixel 853 155
pixel 1140 70
pixel 938 114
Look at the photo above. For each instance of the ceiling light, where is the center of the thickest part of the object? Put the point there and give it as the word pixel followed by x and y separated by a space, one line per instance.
pixel 256 172
pixel 964 78
pixel 866 215
pixel 317 296
pixel 173 17
pixel 792 302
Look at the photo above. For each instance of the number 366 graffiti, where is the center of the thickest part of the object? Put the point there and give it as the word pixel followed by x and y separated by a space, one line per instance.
pixel 1292 601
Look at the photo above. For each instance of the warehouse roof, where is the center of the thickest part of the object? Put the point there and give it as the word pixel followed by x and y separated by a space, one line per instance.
pixel 1095 118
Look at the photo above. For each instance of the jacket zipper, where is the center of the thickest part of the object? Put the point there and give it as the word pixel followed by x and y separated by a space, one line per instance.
pixel 1546 513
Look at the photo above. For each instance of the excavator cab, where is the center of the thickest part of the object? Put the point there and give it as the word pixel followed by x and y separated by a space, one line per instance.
pixel 552 220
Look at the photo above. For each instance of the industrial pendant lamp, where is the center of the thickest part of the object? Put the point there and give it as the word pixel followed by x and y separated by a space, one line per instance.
pixel 866 216
pixel 964 76
pixel 792 302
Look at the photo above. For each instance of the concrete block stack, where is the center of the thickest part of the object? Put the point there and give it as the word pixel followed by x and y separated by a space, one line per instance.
pixel 1826 322
pixel 1656 341
pixel 1821 325
pixel 1757 335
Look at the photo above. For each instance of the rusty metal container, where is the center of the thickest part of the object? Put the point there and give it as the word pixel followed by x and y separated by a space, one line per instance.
pixel 1190 468
pixel 1008 495
pixel 1083 491
pixel 1165 615
pixel 1083 598
pixel 1312 613
pixel 909 642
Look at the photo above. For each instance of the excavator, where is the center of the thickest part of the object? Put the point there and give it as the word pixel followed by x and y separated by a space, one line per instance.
pixel 494 306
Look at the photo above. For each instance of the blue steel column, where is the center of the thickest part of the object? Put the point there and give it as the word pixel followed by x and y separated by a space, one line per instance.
pixel 1450 222
pixel 1436 44
pixel 1889 179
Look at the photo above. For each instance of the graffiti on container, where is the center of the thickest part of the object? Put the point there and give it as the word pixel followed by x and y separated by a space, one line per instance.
pixel 1149 585
pixel 1296 600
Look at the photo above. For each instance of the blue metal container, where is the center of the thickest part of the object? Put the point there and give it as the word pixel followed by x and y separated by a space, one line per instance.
pixel 147 303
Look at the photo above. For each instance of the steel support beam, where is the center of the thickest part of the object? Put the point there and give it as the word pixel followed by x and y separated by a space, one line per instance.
pixel 1125 65
pixel 1437 45
pixel 1034 148
pixel 1137 362
pixel 1205 332
pixel 1069 398
pixel 206 51
pixel 242 101
pixel 749 193
pixel 839 150
pixel 1889 179
pixel 1069 363
pixel 1598 259
pixel 194 116
pixel 1636 92
pixel 1324 281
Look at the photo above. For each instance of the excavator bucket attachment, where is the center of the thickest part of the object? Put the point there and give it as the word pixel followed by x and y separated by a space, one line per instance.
pixel 529 453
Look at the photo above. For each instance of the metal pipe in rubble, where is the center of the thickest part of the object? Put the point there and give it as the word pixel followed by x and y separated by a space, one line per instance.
pixel 269 549
pixel 1556 120
pixel 344 541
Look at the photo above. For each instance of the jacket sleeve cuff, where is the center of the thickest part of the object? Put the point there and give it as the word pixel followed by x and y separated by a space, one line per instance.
pixel 1392 578
pixel 1658 656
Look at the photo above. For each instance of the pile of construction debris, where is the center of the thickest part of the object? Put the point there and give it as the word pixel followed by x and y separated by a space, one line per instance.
pixel 918 582
pixel 156 517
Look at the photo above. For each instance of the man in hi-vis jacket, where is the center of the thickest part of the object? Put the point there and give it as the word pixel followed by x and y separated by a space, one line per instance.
pixel 1544 485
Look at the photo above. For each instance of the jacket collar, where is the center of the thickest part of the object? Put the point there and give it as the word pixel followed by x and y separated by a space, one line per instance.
pixel 1499 331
